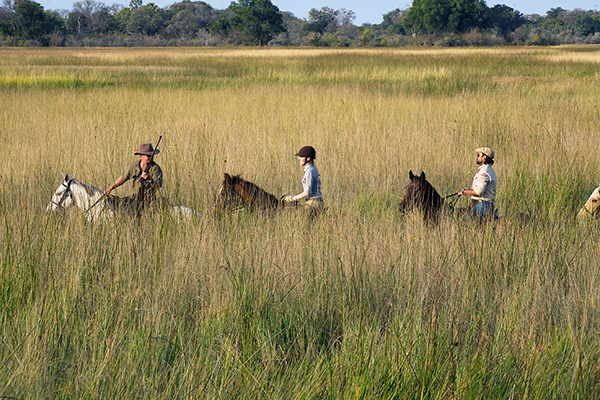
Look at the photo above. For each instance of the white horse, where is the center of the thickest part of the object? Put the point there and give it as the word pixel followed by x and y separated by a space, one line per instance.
pixel 591 207
pixel 93 202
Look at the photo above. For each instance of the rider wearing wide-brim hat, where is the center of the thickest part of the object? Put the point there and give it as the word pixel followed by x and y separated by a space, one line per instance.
pixel 485 183
pixel 152 179
pixel 311 181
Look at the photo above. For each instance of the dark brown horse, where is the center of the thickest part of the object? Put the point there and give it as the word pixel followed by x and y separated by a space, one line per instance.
pixel 237 193
pixel 419 194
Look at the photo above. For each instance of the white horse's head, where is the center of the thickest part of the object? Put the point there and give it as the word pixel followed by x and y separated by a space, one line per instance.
pixel 62 197
pixel 591 206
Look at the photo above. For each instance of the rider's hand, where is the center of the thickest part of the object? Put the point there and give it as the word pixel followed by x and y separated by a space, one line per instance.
pixel 288 199
pixel 145 175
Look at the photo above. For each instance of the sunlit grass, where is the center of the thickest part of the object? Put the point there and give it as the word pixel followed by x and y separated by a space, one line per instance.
pixel 361 302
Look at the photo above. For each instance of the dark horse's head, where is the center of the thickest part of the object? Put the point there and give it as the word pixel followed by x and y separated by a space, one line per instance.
pixel 238 193
pixel 421 195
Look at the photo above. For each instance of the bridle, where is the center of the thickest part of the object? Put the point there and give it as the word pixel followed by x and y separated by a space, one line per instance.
pixel 64 195
pixel 229 196
pixel 68 192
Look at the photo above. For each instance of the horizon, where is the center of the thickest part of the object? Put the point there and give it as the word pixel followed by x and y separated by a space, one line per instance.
pixel 367 11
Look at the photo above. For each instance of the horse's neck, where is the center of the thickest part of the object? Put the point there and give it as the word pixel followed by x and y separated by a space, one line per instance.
pixel 434 195
pixel 85 195
pixel 261 194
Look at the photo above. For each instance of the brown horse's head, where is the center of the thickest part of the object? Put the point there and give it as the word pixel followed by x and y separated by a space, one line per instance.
pixel 421 195
pixel 236 193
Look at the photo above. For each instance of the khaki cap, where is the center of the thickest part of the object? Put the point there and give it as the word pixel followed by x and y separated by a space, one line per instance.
pixel 486 150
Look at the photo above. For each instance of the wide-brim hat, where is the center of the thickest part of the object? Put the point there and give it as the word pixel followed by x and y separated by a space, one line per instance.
pixel 147 150
pixel 486 150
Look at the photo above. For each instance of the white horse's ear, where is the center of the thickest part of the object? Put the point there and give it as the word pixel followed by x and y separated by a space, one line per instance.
pixel 66 177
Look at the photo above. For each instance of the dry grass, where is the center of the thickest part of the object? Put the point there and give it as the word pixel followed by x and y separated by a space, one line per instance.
pixel 362 302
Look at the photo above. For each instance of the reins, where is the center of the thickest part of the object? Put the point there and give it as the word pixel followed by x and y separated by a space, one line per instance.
pixel 96 202
pixel 587 211
pixel 452 202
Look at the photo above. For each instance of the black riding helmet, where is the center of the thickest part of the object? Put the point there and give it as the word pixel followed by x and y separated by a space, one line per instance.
pixel 307 151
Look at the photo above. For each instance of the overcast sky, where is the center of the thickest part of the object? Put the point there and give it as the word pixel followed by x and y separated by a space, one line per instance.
pixel 370 11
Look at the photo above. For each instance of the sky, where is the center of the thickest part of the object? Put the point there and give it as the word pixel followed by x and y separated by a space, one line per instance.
pixel 367 11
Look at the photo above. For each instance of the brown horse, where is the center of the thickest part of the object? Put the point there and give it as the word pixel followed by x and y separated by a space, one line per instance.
pixel 419 194
pixel 238 193
pixel 422 196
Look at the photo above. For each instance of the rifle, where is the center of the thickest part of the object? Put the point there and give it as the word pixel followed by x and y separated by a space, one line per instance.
pixel 141 200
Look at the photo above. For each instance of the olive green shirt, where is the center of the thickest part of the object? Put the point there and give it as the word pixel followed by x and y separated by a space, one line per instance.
pixel 134 172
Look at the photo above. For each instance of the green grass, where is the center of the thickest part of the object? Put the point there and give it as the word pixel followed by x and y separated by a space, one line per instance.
pixel 362 302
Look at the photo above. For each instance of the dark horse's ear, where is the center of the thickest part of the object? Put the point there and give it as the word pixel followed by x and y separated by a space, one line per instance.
pixel 228 178
pixel 410 175
pixel 422 175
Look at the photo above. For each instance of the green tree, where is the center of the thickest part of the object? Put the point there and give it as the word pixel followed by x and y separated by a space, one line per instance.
pixel 428 15
pixel 505 19
pixel 145 20
pixel 8 21
pixel 257 20
pixel 440 16
pixel 89 17
pixel 220 27
pixel 554 12
pixel 319 20
pixel 392 22
pixel 31 21
pixel 188 18
pixel 367 37
pixel 586 25
pixel 466 15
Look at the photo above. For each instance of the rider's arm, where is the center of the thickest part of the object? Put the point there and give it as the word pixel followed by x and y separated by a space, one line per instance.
pixel 117 183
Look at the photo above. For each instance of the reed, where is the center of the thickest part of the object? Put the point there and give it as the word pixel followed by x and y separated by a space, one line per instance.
pixel 360 302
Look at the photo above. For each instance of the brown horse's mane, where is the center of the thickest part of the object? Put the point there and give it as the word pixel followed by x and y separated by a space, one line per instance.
pixel 420 194
pixel 250 196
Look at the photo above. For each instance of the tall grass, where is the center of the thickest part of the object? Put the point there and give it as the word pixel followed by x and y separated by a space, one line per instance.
pixel 359 303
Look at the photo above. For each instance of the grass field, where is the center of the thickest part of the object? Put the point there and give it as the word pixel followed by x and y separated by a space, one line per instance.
pixel 362 302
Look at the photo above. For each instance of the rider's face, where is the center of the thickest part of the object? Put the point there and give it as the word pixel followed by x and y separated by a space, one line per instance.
pixel 303 160
pixel 480 158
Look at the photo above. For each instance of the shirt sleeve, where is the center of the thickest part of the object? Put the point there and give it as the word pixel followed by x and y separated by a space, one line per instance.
pixel 127 175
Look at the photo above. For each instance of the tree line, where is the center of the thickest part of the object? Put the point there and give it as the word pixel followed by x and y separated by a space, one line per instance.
pixel 260 22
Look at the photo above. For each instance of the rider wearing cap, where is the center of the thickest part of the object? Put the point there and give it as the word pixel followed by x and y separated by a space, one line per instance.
pixel 485 182
pixel 153 179
pixel 311 183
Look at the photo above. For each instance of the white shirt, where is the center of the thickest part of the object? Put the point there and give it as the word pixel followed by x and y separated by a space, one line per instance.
pixel 485 183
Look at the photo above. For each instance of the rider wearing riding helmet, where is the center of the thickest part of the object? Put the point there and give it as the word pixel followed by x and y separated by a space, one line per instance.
pixel 311 183
pixel 485 182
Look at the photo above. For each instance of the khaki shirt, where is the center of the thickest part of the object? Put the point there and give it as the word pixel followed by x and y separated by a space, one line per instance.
pixel 484 184
pixel 134 172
